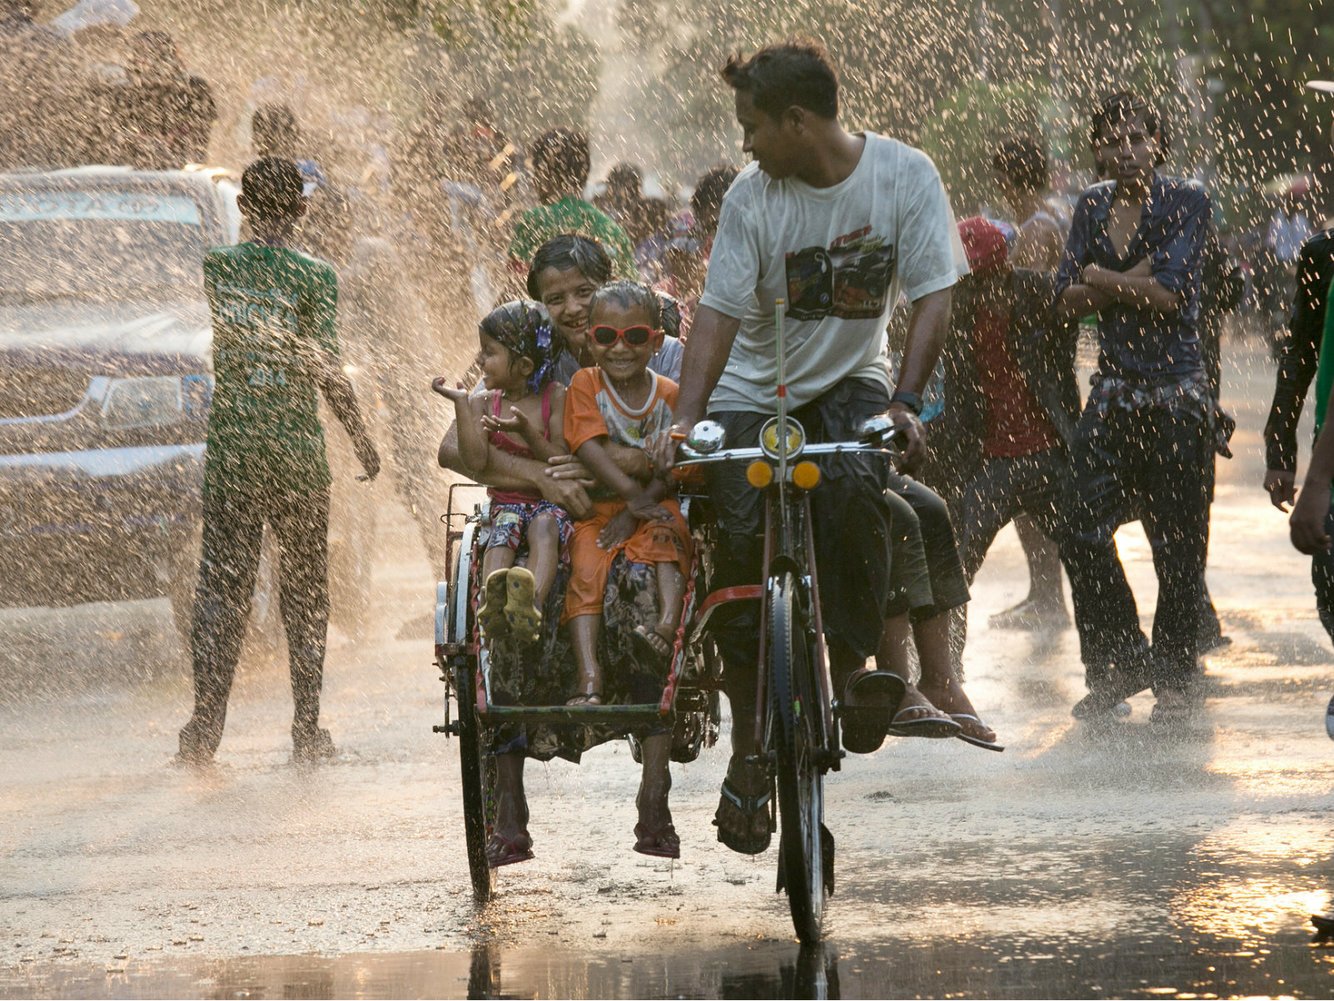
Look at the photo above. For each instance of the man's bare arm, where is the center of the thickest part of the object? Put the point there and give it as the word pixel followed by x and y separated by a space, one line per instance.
pixel 928 322
pixel 702 364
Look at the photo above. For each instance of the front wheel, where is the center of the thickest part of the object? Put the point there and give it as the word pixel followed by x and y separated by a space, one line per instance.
pixel 794 718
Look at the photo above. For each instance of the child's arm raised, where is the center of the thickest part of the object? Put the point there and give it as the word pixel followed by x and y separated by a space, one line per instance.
pixel 474 449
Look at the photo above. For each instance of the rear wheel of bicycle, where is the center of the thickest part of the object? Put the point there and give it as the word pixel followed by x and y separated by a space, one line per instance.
pixel 795 729
pixel 479 783
pixel 477 764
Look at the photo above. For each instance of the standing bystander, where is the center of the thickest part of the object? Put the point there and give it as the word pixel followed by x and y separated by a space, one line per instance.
pixel 274 349
pixel 1134 256
pixel 1024 178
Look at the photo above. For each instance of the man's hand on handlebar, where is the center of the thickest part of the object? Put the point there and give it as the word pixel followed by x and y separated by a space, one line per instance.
pixel 912 435
pixel 664 449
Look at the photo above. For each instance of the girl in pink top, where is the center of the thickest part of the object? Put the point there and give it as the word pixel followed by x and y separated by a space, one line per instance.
pixel 518 351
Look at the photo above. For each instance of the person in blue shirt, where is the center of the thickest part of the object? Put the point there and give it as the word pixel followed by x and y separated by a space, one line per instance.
pixel 1134 256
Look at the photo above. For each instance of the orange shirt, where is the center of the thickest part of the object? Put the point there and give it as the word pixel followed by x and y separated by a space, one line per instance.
pixel 593 409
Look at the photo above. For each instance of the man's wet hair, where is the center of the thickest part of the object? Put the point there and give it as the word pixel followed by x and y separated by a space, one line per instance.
pixel 630 295
pixel 563 155
pixel 273 186
pixel 569 251
pixel 1023 160
pixel 710 188
pixel 1122 106
pixel 793 74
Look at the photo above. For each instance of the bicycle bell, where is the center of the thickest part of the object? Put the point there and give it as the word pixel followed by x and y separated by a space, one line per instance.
pixel 706 437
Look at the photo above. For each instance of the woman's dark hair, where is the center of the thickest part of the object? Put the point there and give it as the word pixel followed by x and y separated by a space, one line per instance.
pixel 570 251
pixel 1124 105
pixel 630 295
pixel 779 77
pixel 1023 161
pixel 524 328
pixel 563 155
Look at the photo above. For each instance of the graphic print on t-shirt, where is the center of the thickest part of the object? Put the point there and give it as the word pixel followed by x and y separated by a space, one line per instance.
pixel 850 280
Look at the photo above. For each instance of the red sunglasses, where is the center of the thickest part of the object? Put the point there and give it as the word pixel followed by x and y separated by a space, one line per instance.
pixel 636 336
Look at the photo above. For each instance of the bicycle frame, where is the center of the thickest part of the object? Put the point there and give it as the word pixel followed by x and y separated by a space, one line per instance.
pixel 781 550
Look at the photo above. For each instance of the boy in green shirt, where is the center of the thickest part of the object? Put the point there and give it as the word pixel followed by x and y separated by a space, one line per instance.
pixel 274 351
pixel 560 172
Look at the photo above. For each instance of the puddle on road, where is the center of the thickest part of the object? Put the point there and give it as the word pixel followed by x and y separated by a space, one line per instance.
pixel 1169 963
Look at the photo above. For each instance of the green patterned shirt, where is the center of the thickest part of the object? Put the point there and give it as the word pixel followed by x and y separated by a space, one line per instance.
pixel 573 215
pixel 273 313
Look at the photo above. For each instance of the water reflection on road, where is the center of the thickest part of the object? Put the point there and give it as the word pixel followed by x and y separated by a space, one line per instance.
pixel 1175 962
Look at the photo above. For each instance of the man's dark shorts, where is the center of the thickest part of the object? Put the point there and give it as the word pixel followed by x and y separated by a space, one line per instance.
pixel 884 543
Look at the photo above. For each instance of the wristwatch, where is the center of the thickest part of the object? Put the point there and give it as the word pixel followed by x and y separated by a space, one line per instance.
pixel 912 401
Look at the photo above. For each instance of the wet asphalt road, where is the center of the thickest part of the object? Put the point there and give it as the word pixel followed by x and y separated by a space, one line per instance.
pixel 1075 864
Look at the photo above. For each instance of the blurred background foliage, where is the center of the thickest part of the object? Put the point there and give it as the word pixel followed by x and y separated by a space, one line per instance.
pixel 952 75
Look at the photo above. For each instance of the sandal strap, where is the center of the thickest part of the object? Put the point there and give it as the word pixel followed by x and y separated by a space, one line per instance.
pixel 743 802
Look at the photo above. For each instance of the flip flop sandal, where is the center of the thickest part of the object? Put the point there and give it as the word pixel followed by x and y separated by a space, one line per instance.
pixel 923 721
pixel 864 726
pixel 491 613
pixel 746 842
pixel 651 646
pixel 507 851
pixel 969 726
pixel 662 843
pixel 521 604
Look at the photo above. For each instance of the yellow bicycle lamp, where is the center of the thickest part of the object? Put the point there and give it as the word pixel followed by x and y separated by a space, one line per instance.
pixel 806 475
pixel 759 474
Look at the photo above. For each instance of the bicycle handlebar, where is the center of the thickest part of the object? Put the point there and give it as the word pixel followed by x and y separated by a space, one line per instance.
pixel 689 457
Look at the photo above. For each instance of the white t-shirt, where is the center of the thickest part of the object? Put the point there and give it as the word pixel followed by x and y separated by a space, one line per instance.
pixel 840 256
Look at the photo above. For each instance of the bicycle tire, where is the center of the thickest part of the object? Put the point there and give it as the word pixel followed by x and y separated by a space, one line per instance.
pixel 478 773
pixel 477 767
pixel 800 779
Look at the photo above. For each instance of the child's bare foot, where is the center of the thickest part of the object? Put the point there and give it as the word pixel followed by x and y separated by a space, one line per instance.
pixel 655 644
pixel 588 698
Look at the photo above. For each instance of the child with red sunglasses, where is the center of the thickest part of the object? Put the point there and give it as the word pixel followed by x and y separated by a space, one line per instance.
pixel 621 401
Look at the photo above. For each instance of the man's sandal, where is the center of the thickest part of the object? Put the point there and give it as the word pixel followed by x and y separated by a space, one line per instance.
pixel 662 843
pixel 507 851
pixel 745 840
pixel 878 694
pixel 651 645
pixel 973 731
